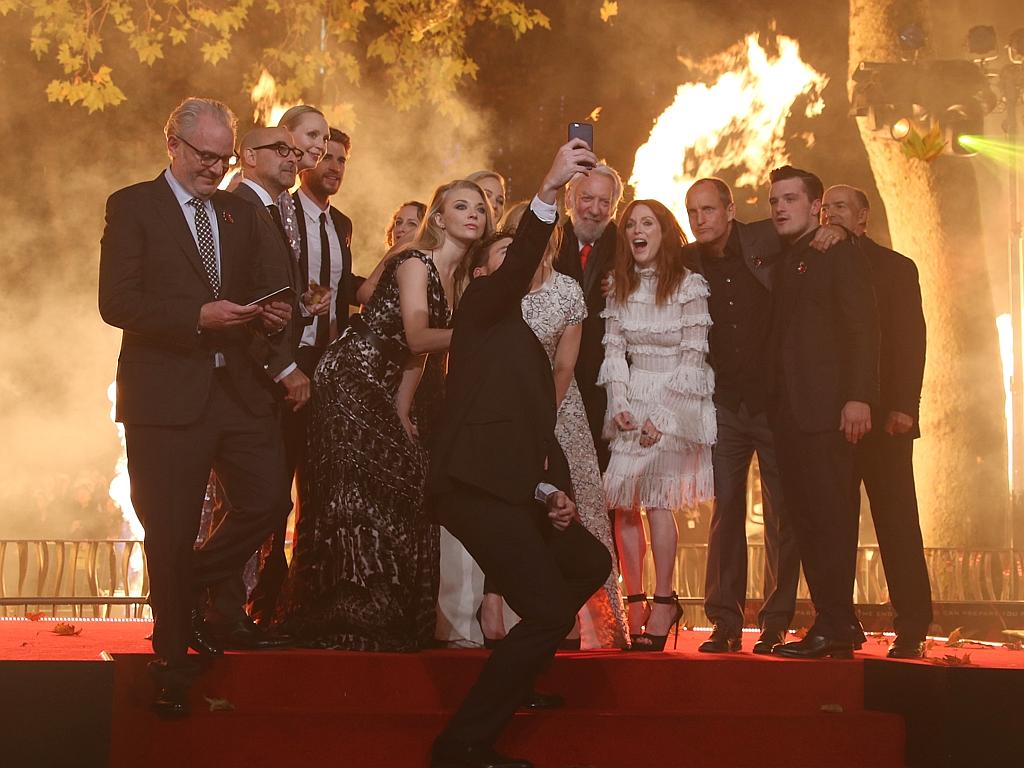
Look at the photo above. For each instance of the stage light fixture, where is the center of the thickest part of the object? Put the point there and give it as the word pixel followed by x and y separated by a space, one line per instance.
pixel 961 121
pixel 982 43
pixel 1015 46
pixel 911 40
pixel 900 129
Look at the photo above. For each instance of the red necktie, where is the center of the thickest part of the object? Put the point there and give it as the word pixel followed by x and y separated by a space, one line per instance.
pixel 584 255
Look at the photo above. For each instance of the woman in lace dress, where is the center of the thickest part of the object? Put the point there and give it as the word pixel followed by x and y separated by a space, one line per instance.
pixel 660 417
pixel 364 571
pixel 554 309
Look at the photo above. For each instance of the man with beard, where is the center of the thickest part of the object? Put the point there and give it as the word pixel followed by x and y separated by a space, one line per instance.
pixel 588 255
pixel 822 378
pixel 885 457
pixel 179 262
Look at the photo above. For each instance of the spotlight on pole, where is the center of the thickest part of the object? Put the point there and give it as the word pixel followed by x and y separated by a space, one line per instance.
pixel 982 44
pixel 900 129
pixel 1015 46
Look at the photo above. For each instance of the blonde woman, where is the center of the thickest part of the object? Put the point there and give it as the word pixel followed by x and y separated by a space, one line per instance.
pixel 364 571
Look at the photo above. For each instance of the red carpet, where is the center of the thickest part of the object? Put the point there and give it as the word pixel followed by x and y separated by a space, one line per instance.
pixel 678 708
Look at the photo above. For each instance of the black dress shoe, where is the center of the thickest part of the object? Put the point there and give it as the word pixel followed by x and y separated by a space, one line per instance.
pixel 768 640
pixel 906 648
pixel 722 640
pixel 244 635
pixel 815 647
pixel 445 754
pixel 536 701
pixel 202 639
pixel 171 703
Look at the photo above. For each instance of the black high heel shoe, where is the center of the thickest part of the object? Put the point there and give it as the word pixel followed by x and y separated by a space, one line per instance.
pixel 649 642
pixel 640 598
pixel 490 643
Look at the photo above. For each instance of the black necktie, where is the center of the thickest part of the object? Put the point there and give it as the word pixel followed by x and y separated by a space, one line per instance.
pixel 207 252
pixel 323 322
pixel 275 214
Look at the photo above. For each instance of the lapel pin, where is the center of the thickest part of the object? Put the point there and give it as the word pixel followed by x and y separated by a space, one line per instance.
pixel 801 267
pixel 228 217
pixel 758 262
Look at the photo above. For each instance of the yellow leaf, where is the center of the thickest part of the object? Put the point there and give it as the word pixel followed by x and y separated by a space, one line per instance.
pixel 609 8
pixel 39 46
pixel 177 35
pixel 6 6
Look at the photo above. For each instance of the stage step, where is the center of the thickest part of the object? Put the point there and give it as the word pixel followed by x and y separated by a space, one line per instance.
pixel 437 681
pixel 580 739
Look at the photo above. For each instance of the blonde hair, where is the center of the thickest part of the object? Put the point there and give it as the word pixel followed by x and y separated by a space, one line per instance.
pixel 429 234
pixel 478 176
pixel 294 115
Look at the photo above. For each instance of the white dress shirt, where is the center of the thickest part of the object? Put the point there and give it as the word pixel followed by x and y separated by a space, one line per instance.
pixel 312 212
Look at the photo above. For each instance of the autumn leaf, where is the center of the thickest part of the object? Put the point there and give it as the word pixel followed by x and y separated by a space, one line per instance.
pixel 63 629
pixel 609 8
pixel 219 705
pixel 36 616
pixel 954 637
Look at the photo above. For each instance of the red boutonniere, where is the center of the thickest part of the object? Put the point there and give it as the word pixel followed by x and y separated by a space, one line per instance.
pixel 758 262
pixel 228 218
pixel 801 267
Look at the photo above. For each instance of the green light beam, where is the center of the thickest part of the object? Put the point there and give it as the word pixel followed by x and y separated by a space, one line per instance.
pixel 1002 152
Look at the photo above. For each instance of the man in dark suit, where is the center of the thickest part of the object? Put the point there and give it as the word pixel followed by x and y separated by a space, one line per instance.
pixel 737 260
pixel 823 379
pixel 322 229
pixel 496 468
pixel 178 262
pixel 588 255
pixel 885 457
pixel 268 161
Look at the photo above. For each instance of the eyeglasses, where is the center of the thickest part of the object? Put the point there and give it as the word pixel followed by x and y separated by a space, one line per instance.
pixel 283 149
pixel 210 159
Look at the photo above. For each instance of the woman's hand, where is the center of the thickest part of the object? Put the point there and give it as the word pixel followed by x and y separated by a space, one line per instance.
pixel 649 434
pixel 409 426
pixel 624 421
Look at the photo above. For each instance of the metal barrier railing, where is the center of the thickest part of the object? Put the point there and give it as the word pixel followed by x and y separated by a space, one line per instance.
pixel 73 574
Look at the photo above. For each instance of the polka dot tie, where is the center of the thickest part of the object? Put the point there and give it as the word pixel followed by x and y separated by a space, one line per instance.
pixel 207 252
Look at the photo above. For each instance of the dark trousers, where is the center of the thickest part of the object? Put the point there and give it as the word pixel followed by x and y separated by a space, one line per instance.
pixel 740 435
pixel 816 469
pixel 886 466
pixel 545 576
pixel 169 469
pixel 230 600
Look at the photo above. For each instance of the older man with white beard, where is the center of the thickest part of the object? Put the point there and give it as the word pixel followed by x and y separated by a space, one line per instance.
pixel 587 255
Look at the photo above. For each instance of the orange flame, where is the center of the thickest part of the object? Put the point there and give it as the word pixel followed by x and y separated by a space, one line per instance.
pixel 735 123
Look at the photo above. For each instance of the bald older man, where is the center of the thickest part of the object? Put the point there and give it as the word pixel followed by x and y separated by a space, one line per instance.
pixel 885 457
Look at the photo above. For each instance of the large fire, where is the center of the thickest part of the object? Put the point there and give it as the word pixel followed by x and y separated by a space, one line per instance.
pixel 735 124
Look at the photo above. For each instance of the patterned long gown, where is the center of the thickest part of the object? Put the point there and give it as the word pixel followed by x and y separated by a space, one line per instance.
pixel 556 304
pixel 364 571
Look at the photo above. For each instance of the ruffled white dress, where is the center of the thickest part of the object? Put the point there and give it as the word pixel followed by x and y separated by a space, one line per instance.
pixel 656 367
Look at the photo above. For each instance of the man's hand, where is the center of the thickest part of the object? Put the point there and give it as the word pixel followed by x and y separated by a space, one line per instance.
pixel 624 421
pixel 649 434
pixel 897 423
pixel 572 157
pixel 827 236
pixel 296 386
pixel 276 315
pixel 216 315
pixel 561 510
pixel 855 421
pixel 608 284
pixel 316 301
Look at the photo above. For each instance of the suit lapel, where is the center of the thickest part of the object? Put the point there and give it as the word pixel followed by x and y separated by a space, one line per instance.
pixel 754 255
pixel 174 216
pixel 344 289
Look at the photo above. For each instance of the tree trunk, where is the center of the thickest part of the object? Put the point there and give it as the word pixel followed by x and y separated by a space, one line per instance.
pixel 935 218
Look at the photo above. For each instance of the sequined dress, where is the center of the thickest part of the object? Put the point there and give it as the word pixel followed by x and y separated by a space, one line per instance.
pixel 364 571
pixel 656 368
pixel 557 304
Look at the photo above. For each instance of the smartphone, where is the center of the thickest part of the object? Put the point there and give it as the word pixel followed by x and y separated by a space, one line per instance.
pixel 583 131
pixel 286 294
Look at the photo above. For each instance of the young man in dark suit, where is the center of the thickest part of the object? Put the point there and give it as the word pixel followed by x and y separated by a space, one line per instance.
pixel 179 261
pixel 588 255
pixel 498 480
pixel 737 260
pixel 823 379
pixel 885 457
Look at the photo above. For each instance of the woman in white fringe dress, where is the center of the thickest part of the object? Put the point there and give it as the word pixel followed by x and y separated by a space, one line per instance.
pixel 660 417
